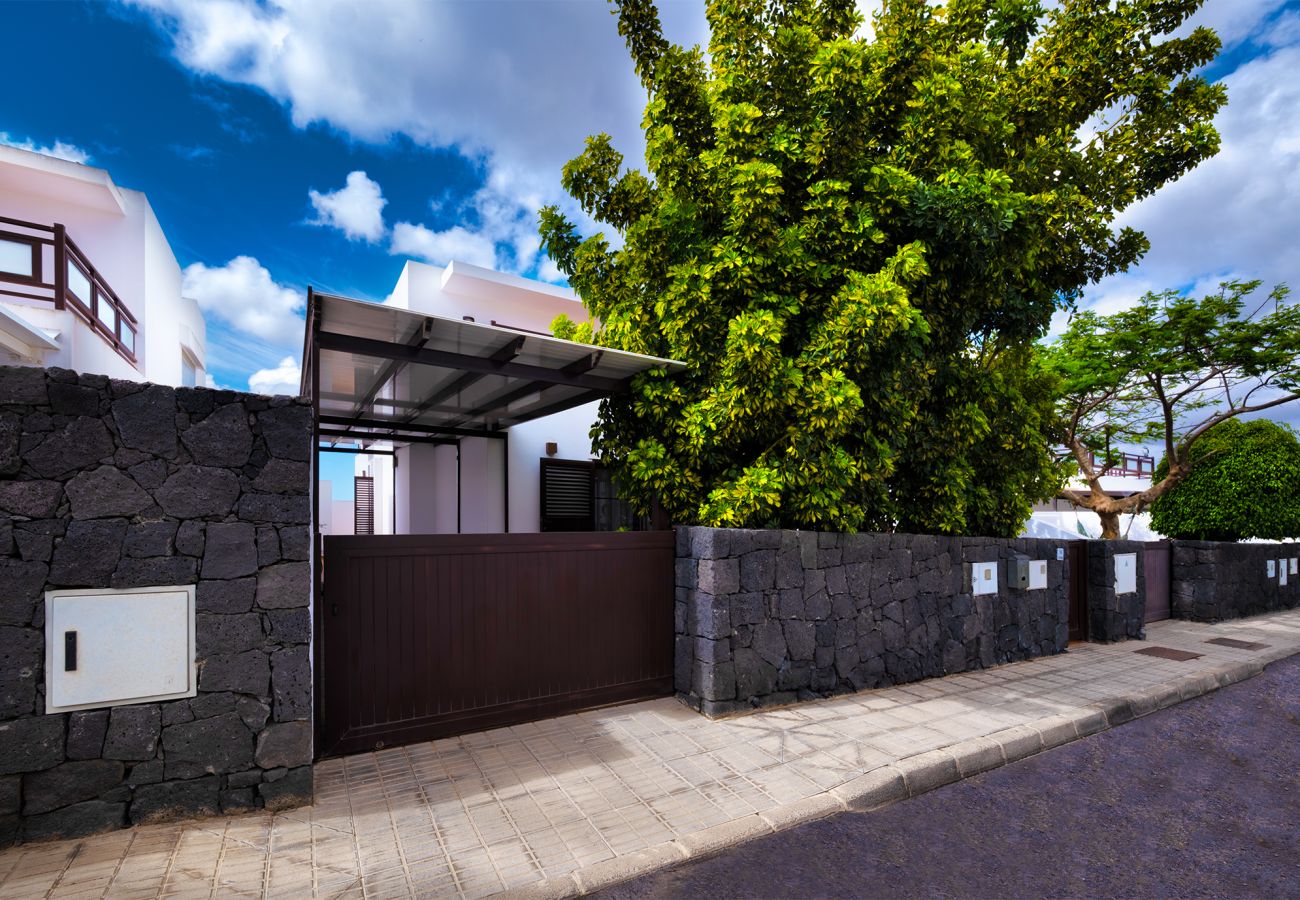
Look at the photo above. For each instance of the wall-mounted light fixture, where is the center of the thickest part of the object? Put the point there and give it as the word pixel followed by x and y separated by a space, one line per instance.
pixel 552 448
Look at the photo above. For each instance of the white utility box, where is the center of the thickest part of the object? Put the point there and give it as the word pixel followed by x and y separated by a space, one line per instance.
pixel 1126 573
pixel 984 578
pixel 1037 574
pixel 110 647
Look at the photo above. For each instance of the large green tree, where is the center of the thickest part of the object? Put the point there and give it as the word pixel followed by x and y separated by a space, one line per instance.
pixel 1168 372
pixel 854 240
pixel 1242 484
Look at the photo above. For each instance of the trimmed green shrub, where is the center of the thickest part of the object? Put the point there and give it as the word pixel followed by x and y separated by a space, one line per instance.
pixel 1244 483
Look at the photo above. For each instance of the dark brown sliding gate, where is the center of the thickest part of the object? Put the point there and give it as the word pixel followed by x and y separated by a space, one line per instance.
pixel 1155 563
pixel 426 636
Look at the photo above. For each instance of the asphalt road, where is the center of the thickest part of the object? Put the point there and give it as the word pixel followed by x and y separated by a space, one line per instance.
pixel 1201 800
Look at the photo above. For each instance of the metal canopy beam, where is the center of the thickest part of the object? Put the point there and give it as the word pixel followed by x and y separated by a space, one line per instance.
pixel 503 354
pixel 578 366
pixel 397 425
pixel 358 450
pixel 419 337
pixel 367 436
pixel 447 360
pixel 568 403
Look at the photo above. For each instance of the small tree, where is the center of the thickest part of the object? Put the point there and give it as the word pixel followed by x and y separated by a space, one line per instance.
pixel 1167 372
pixel 854 243
pixel 1242 484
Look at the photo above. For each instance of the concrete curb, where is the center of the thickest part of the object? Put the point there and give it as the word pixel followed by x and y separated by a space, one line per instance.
pixel 902 779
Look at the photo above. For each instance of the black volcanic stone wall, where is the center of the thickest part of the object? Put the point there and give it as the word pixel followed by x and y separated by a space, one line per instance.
pixel 1213 580
pixel 107 483
pixel 770 617
pixel 1114 617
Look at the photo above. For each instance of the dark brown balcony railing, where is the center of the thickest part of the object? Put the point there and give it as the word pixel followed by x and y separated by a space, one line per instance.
pixel 74 282
pixel 1126 464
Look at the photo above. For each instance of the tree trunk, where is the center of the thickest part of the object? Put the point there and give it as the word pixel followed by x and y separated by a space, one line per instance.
pixel 1109 525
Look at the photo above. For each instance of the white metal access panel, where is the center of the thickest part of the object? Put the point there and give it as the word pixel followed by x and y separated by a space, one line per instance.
pixel 110 647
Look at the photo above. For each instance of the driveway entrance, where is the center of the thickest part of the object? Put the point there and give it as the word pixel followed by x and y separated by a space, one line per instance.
pixel 427 636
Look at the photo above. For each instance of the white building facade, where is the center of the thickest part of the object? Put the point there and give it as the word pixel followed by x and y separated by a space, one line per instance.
pixel 1059 518
pixel 88 280
pixel 475 485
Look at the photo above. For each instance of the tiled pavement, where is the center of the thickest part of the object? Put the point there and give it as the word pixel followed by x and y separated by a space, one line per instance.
pixel 504 809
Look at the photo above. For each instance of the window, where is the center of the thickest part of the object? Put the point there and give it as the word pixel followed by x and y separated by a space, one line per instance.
pixel 105 312
pixel 128 341
pixel 19 257
pixel 363 506
pixel 79 283
pixel 189 375
pixel 568 495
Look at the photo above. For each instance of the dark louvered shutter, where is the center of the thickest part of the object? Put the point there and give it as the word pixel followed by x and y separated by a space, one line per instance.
pixel 568 498
pixel 363 517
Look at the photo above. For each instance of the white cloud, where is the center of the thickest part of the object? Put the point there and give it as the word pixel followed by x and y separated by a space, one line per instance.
pixel 58 149
pixel 242 294
pixel 441 247
pixel 1237 214
pixel 283 379
pixel 514 84
pixel 1233 20
pixel 357 209
pixel 499 230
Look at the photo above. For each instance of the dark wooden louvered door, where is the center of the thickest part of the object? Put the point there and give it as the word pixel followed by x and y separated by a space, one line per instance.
pixel 363 505
pixel 568 495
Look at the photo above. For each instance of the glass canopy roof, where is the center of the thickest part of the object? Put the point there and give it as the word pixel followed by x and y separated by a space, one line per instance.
pixel 392 374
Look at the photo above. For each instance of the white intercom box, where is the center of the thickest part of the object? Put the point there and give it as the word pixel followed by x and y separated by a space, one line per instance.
pixel 110 647
pixel 1037 574
pixel 1126 573
pixel 984 578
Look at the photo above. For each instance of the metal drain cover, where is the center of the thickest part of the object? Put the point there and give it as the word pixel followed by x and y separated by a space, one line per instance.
pixel 1169 653
pixel 1239 645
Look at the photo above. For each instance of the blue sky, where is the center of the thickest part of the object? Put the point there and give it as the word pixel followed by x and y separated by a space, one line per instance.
pixel 284 143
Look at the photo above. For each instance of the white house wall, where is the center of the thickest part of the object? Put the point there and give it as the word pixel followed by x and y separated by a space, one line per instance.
pixel 342 519
pixel 118 232
pixel 170 319
pixel 482 489
pixel 426 480
pixel 428 489
pixel 570 431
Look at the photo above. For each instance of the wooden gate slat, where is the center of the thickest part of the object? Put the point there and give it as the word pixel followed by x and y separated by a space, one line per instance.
pixel 436 635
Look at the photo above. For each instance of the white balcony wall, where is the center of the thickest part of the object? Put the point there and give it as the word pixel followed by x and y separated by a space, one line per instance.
pixel 117 230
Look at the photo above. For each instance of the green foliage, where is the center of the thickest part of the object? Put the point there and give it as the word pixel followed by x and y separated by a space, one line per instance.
pixel 1172 370
pixel 1173 362
pixel 854 242
pixel 1242 484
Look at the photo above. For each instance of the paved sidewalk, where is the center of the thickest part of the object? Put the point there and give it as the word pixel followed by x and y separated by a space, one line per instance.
pixel 583 801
